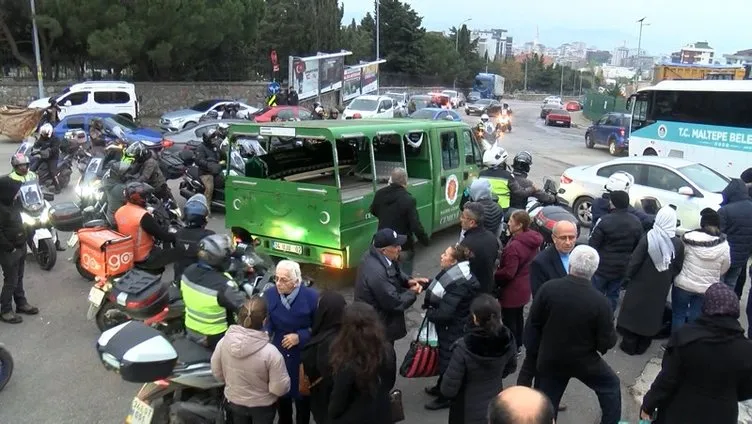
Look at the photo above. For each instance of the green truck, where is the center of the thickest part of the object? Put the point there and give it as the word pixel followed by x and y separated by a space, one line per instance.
pixel 308 198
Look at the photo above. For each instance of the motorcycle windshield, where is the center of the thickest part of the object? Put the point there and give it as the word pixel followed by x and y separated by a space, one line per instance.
pixel 31 196
pixel 236 161
pixel 93 169
pixel 26 146
pixel 251 146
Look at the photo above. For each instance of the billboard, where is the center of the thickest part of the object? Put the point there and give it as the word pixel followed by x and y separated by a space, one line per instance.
pixel 330 74
pixel 304 76
pixel 370 78
pixel 351 85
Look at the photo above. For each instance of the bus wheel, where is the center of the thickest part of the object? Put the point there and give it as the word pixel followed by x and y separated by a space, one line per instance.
pixel 649 152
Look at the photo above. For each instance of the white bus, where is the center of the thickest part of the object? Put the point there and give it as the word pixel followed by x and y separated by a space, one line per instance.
pixel 708 122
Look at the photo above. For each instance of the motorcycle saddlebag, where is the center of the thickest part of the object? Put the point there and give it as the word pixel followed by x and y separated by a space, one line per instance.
pixel 172 165
pixel 139 353
pixel 66 216
pixel 142 294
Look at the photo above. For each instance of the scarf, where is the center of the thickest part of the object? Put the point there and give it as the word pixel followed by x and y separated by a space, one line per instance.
pixel 287 300
pixel 457 273
pixel 660 247
pixel 710 329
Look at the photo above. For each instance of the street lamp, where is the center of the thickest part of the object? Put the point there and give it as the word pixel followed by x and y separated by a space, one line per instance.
pixel 378 6
pixel 639 47
pixel 457 36
pixel 40 83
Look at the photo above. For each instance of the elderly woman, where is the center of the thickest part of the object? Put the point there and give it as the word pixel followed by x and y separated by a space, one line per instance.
pixel 706 369
pixel 291 310
pixel 447 306
pixel 657 259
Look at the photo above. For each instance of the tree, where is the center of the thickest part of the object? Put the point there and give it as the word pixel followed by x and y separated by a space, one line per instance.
pixel 401 30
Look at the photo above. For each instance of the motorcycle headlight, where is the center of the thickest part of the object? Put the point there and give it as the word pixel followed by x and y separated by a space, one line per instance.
pixel 28 219
pixel 44 217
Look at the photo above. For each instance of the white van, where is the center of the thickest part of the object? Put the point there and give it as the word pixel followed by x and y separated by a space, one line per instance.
pixel 370 107
pixel 116 97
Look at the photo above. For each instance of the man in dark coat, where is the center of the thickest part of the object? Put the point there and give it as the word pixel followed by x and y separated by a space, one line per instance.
pixel 395 208
pixel 480 191
pixel 747 178
pixel 615 236
pixel 483 244
pixel 572 326
pixel 382 284
pixel 736 223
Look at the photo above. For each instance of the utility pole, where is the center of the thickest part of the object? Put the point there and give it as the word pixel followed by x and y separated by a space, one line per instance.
pixel 40 82
pixel 561 89
pixel 574 83
pixel 526 59
pixel 580 83
pixel 378 30
pixel 639 48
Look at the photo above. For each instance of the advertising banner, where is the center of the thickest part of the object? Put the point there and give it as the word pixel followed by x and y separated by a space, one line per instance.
pixel 351 86
pixel 370 78
pixel 330 74
pixel 304 76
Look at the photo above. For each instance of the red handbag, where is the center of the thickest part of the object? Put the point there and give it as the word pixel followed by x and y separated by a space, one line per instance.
pixel 421 360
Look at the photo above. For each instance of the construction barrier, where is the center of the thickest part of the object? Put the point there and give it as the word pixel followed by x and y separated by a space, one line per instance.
pixel 597 104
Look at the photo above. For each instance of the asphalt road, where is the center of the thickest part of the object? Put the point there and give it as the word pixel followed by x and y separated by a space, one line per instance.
pixel 58 377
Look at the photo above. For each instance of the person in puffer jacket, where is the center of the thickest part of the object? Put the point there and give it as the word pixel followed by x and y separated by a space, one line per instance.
pixel 252 368
pixel 707 258
pixel 480 191
pixel 736 224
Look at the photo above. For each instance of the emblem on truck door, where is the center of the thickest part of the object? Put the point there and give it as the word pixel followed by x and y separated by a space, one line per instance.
pixel 452 189
pixel 325 217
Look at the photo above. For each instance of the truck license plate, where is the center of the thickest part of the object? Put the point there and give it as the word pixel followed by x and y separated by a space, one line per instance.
pixel 286 247
pixel 141 412
pixel 96 296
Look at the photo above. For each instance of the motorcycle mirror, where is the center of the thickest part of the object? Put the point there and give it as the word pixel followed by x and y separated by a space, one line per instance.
pixel 48 196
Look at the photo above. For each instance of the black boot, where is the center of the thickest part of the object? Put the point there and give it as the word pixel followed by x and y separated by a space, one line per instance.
pixel 438 403
pixel 59 247
pixel 433 391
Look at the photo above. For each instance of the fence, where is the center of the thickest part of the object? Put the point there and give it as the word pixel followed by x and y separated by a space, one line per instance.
pixel 596 104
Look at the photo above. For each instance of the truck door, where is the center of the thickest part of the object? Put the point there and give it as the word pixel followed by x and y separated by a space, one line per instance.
pixel 448 191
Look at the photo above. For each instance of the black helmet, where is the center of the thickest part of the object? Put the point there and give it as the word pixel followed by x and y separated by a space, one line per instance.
pixel 222 130
pixel 138 152
pixel 208 137
pixel 137 193
pixel 215 250
pixel 522 162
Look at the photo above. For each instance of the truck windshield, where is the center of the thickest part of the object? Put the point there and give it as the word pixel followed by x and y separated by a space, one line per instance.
pixel 482 85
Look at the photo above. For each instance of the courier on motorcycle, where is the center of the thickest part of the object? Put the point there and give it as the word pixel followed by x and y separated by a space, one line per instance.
pixel 211 296
pixel 145 169
pixel 209 161
pixel 132 219
pixel 187 239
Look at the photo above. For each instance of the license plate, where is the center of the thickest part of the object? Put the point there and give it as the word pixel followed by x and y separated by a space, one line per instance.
pixel 286 247
pixel 141 412
pixel 559 122
pixel 96 296
pixel 73 240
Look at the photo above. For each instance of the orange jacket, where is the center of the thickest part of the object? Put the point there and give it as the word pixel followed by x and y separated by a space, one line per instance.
pixel 128 220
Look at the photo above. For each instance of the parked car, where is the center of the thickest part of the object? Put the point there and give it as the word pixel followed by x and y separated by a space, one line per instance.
pixel 457 98
pixel 573 106
pixel 400 103
pixel 480 107
pixel 115 97
pixel 183 118
pixel 132 131
pixel 689 186
pixel 370 107
pixel 558 117
pixel 436 113
pixel 180 139
pixel 285 113
pixel 611 130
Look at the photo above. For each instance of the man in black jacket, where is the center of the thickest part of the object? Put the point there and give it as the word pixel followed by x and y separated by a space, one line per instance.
pixel 483 244
pixel 209 163
pixel 12 255
pixel 49 151
pixel 615 237
pixel 572 326
pixel 746 176
pixel 736 223
pixel 382 284
pixel 480 191
pixel 395 208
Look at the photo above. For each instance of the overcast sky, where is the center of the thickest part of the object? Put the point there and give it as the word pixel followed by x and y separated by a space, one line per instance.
pixel 605 24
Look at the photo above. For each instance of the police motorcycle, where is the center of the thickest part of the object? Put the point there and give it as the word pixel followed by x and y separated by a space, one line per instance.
pixel 179 386
pixel 35 215
pixel 6 366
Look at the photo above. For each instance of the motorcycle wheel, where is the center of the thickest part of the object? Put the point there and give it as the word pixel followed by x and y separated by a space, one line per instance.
pixel 110 315
pixel 81 271
pixel 46 255
pixel 6 367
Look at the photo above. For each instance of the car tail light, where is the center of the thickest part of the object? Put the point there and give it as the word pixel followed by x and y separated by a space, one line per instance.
pixel 622 131
pixel 565 179
pixel 166 144
pixel 332 259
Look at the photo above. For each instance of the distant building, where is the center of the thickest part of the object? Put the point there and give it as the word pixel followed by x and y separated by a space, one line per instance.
pixel 508 52
pixel 598 56
pixel 697 53
pixel 619 58
pixel 742 57
pixel 494 42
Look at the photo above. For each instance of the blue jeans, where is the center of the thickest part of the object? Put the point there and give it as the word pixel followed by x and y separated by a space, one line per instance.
pixel 610 288
pixel 600 378
pixel 685 306
pixel 732 276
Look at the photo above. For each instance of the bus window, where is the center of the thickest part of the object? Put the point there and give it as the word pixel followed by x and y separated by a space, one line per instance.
pixel 640 111
pixel 450 150
pixel 730 109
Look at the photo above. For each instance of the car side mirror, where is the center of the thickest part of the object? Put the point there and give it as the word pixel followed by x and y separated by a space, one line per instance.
pixel 686 191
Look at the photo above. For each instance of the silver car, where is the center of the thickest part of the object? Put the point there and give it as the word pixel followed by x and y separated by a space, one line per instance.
pixel 196 133
pixel 186 118
pixel 689 186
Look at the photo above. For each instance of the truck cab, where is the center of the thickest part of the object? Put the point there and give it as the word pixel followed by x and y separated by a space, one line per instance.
pixel 310 200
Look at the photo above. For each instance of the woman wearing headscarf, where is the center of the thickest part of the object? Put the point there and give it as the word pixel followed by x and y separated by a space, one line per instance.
pixel 315 357
pixel 706 369
pixel 655 262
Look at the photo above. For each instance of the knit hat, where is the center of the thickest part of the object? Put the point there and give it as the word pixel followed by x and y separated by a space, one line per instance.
pixel 747 176
pixel 620 199
pixel 709 218
pixel 720 300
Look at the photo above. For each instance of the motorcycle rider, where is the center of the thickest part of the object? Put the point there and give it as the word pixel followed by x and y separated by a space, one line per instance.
pixel 209 162
pixel 134 220
pixel 21 172
pixel 145 168
pixel 334 114
pixel 195 214
pixel 113 184
pixel 619 181
pixel 487 124
pixel 211 296
pixel 521 187
pixel 96 133
pixel 497 173
pixel 49 151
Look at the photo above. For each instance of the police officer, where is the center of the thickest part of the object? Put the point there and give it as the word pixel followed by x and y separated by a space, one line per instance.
pixel 210 294
pixel 21 172
pixel 49 149
pixel 195 214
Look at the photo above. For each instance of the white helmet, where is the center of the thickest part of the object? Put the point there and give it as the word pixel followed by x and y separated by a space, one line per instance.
pixel 484 117
pixel 619 181
pixel 495 156
pixel 46 130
